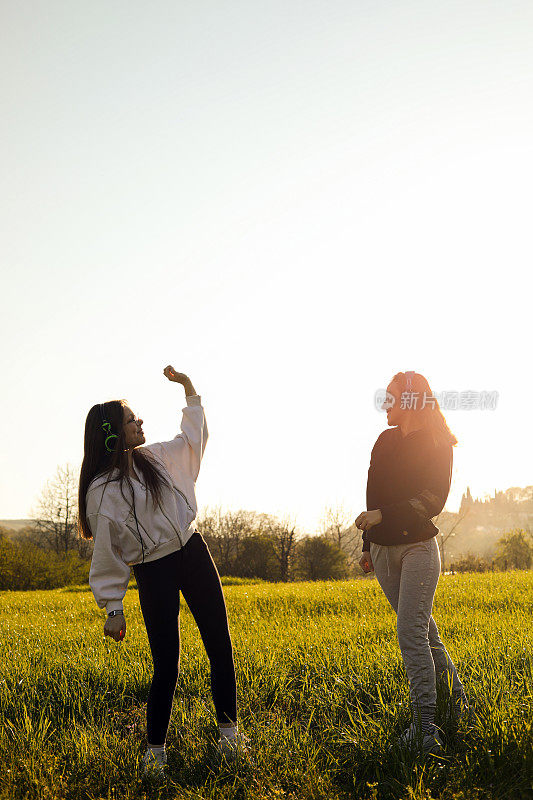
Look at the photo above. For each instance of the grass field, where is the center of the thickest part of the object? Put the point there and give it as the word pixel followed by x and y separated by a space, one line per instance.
pixel 322 693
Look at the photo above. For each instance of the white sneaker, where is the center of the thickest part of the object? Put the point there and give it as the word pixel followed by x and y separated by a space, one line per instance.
pixel 237 746
pixel 154 765
pixel 428 741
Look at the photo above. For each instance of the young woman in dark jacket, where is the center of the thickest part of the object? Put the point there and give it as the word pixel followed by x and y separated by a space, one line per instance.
pixel 408 483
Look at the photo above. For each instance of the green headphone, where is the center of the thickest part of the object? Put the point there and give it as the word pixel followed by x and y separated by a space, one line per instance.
pixel 106 427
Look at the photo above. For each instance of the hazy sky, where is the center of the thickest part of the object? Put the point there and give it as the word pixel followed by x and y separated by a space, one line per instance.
pixel 288 201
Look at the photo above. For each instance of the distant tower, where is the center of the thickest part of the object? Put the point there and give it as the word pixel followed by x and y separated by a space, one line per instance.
pixel 466 500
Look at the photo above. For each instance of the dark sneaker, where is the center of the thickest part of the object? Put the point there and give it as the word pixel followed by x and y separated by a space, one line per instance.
pixel 153 765
pixel 460 710
pixel 428 742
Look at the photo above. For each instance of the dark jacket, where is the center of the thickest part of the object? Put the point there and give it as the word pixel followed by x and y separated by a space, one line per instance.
pixel 409 481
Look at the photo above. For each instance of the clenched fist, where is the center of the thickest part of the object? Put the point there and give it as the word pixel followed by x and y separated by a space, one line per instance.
pixel 365 562
pixel 177 377
pixel 367 519
pixel 115 627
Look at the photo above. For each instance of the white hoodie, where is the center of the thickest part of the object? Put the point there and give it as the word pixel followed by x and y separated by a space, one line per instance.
pixel 120 540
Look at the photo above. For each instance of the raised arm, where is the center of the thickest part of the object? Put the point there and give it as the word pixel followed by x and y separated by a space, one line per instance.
pixel 184 453
pixel 180 377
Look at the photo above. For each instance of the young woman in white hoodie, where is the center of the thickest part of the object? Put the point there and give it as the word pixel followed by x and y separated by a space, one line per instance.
pixel 139 505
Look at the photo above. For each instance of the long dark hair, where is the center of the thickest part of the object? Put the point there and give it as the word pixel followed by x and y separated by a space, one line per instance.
pixel 97 460
pixel 430 417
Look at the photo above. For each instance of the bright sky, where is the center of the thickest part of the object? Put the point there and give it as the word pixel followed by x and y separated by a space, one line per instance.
pixel 290 202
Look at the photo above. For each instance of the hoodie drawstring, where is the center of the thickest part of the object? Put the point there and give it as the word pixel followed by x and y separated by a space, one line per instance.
pixel 387 557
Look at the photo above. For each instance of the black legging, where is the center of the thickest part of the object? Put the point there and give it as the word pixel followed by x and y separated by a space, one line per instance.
pixel 193 571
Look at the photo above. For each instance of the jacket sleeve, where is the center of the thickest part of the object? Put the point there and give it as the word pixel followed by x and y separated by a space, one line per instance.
pixel 184 453
pixel 414 513
pixel 366 543
pixel 109 574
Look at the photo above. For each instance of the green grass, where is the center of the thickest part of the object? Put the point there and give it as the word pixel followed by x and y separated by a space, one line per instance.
pixel 322 694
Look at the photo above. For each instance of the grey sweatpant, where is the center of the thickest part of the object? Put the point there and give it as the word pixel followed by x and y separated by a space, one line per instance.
pixel 408 575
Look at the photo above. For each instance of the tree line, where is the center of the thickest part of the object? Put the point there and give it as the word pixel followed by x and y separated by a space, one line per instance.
pixel 244 544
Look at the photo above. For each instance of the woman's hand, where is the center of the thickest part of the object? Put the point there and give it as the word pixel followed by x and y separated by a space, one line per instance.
pixel 115 627
pixel 180 377
pixel 365 562
pixel 367 519
pixel 174 376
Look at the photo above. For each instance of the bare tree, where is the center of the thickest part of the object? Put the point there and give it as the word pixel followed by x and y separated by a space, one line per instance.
pixel 443 537
pixel 337 525
pixel 55 520
pixel 226 531
pixel 284 539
